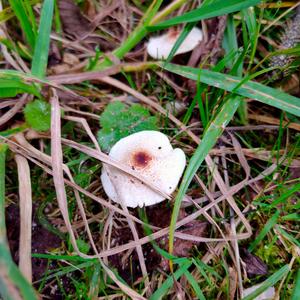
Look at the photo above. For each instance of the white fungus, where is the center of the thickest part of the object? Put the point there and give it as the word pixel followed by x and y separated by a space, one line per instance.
pixel 150 154
pixel 159 47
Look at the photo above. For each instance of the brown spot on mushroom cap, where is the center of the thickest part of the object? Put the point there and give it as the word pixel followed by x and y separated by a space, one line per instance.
pixel 173 34
pixel 141 159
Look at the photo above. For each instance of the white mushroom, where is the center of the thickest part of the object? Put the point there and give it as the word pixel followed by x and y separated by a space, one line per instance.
pixel 150 154
pixel 160 47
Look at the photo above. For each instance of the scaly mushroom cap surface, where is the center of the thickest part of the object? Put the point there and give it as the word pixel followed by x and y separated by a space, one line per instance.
pixel 150 154
pixel 160 47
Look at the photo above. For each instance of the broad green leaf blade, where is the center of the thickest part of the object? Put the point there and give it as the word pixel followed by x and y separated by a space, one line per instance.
pixel 249 89
pixel 214 9
pixel 210 137
pixel 40 57
pixel 19 10
pixel 271 281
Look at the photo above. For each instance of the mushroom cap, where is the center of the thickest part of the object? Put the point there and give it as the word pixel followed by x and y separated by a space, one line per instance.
pixel 159 47
pixel 150 154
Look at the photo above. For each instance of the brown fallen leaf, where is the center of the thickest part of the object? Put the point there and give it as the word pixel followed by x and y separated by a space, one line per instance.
pixel 73 21
pixel 254 265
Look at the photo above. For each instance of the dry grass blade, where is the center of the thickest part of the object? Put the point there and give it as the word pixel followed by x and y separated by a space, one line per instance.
pixel 57 166
pixel 129 220
pixel 105 158
pixel 27 150
pixel 14 110
pixel 25 197
pixel 219 105
pixel 139 251
pixel 108 160
pixel 58 178
pixel 214 171
pixel 164 231
pixel 274 121
pixel 159 233
pixel 260 154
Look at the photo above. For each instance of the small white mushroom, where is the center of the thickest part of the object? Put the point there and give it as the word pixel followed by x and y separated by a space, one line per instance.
pixel 160 47
pixel 150 154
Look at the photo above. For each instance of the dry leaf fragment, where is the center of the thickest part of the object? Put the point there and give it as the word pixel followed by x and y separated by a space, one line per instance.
pixel 254 265
pixel 182 248
pixel 73 21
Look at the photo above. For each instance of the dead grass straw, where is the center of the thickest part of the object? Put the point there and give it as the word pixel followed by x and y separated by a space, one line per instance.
pixel 25 196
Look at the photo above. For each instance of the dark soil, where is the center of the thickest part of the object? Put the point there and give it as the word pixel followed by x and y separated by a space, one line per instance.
pixel 43 241
pixel 160 216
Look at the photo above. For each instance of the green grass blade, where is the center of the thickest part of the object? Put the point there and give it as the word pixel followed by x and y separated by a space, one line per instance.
pixel 248 89
pixel 269 225
pixel 291 217
pixel 214 9
pixel 195 285
pixel 31 16
pixel 60 257
pixel 69 269
pixel 288 236
pixel 40 57
pixel 15 82
pixel 13 131
pixel 231 45
pixel 7 13
pixel 229 42
pixel 186 30
pixel 287 194
pixel 210 137
pixel 3 149
pixel 271 281
pixel 13 86
pixel 20 12
pixel 135 37
pixel 168 283
pixel 296 291
pixel 94 283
